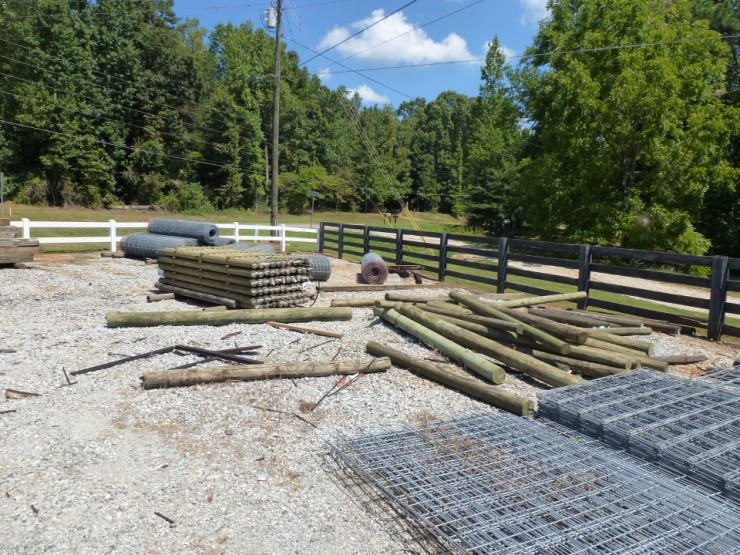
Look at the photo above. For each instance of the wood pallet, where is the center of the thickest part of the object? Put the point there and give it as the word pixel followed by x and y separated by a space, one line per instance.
pixel 12 250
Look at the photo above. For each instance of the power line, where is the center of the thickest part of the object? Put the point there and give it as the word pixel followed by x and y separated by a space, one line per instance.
pixel 131 148
pixel 445 16
pixel 541 54
pixel 321 54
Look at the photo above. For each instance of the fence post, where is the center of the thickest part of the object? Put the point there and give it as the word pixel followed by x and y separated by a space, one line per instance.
pixel 503 260
pixel 717 297
pixel 256 234
pixel 340 240
pixel 320 239
pixel 282 237
pixel 26 225
pixel 442 257
pixel 584 273
pixel 236 231
pixel 366 241
pixel 399 246
pixel 112 235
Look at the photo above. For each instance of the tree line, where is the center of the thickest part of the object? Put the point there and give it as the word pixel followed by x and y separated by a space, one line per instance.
pixel 618 126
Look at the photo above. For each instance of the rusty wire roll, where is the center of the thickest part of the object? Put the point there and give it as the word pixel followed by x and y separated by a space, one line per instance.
pixel 374 270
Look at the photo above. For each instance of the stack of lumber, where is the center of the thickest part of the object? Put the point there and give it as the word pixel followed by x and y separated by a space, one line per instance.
pixel 512 333
pixel 12 250
pixel 247 279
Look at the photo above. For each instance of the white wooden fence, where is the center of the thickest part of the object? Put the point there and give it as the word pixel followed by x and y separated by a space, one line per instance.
pixel 232 230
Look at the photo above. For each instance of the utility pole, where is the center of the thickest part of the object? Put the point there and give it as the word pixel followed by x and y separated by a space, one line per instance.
pixel 276 118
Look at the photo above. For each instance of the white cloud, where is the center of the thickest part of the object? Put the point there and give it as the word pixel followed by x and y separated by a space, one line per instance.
pixel 534 10
pixel 415 46
pixel 368 95
pixel 324 74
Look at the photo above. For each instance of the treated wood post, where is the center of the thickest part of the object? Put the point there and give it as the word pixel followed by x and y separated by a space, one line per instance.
pixel 717 297
pixel 320 238
pixel 340 241
pixel 503 258
pixel 442 257
pixel 584 273
pixel 366 240
pixel 399 246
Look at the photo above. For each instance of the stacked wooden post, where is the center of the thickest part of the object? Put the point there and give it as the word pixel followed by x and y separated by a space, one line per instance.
pixel 248 279
pixel 12 250
pixel 529 340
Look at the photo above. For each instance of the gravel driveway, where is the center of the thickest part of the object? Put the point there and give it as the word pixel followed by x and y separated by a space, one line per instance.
pixel 239 467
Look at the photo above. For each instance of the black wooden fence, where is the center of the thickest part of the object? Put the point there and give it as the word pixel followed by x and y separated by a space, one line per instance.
pixel 542 268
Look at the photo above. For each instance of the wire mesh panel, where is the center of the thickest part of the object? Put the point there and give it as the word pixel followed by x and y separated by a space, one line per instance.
pixel 500 484
pixel 687 426
pixel 729 375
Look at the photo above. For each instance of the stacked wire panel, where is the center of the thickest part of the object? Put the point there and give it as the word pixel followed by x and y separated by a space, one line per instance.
pixel 252 279
pixel 495 483
pixel 687 426
pixel 728 375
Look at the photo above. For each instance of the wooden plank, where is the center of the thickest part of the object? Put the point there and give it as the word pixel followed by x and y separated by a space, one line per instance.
pixel 654 256
pixel 471 277
pixel 653 275
pixel 422 256
pixel 544 260
pixel 652 295
pixel 14 258
pixel 377 249
pixel 420 244
pixel 732 308
pixel 483 253
pixel 647 313
pixel 19 251
pixel 543 276
pixel 733 263
pixel 543 245
pixel 468 264
pixel 528 289
pixel 733 286
pixel 472 239
pixel 378 239
pixel 19 243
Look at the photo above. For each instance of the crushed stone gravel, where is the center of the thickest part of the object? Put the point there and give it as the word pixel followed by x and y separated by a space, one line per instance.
pixel 238 467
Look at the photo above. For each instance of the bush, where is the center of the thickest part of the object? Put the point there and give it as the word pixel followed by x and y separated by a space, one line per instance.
pixel 187 197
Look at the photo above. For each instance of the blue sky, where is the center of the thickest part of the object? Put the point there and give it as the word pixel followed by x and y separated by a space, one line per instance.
pixel 320 24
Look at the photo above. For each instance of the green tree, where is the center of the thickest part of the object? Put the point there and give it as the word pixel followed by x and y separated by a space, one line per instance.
pixel 492 168
pixel 626 141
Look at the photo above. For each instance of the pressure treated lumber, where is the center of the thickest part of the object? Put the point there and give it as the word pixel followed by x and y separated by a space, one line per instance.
pixel 619 320
pixel 155 297
pixel 591 369
pixel 198 296
pixel 468 359
pixel 412 298
pixel 530 301
pixel 635 355
pixel 568 317
pixel 353 303
pixel 386 287
pixel 557 329
pixel 486 309
pixel 677 360
pixel 194 376
pixel 644 347
pixel 489 332
pixel 521 362
pixel 627 331
pixel 246 316
pixel 493 323
pixel 325 333
pixel 483 392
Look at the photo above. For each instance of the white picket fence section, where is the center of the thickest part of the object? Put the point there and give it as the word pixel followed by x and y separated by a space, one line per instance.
pixel 233 230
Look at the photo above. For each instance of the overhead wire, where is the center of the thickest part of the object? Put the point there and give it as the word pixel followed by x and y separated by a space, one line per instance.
pixel 373 24
pixel 131 148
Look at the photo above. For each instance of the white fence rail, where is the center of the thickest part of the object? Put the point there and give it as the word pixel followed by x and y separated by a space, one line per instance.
pixel 233 230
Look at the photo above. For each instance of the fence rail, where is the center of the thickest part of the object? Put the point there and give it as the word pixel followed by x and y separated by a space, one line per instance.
pixel 234 231
pixel 540 268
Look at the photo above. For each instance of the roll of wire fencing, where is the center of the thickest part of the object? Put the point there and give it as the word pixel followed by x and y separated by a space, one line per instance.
pixel 146 245
pixel 223 242
pixel 374 270
pixel 205 233
pixel 320 267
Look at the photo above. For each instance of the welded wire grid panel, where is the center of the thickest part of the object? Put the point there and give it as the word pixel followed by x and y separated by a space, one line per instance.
pixel 500 484
pixel 729 375
pixel 687 426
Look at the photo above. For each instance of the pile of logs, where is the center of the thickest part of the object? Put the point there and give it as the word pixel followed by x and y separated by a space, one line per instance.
pixel 242 279
pixel 13 250
pixel 553 346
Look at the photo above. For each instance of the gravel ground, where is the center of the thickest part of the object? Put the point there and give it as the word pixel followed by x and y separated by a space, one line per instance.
pixel 84 467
